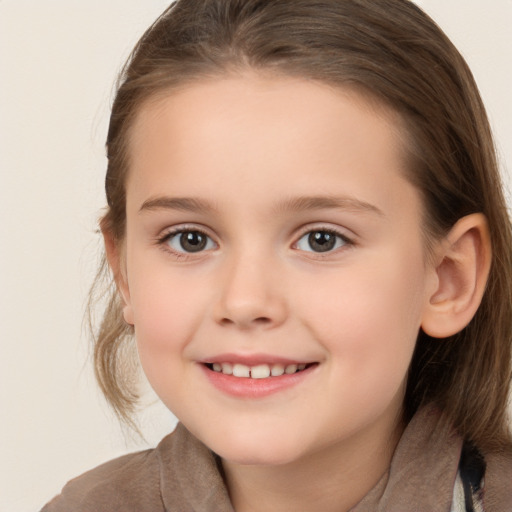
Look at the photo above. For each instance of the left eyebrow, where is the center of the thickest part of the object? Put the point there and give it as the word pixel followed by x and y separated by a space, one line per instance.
pixel 302 203
pixel 187 204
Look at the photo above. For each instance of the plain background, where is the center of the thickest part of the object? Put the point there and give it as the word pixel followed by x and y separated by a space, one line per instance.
pixel 58 62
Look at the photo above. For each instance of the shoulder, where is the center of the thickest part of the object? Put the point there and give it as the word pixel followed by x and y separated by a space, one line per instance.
pixel 498 482
pixel 180 474
pixel 128 483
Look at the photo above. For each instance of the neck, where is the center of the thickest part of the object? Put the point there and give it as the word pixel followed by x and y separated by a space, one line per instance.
pixel 335 478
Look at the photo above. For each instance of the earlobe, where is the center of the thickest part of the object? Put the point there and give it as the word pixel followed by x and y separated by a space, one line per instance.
pixel 113 251
pixel 464 262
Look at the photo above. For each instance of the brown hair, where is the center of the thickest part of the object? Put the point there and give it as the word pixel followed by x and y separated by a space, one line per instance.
pixel 394 51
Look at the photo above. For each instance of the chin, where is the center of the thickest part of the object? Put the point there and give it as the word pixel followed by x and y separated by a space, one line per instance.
pixel 256 450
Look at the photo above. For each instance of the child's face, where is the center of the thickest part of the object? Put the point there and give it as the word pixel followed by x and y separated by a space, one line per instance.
pixel 269 224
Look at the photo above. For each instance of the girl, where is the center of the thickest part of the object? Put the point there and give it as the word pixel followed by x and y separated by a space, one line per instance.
pixel 311 251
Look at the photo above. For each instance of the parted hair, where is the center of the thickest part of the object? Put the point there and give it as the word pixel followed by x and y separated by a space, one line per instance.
pixel 392 51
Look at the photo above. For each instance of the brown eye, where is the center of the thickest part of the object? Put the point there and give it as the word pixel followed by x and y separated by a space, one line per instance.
pixel 190 241
pixel 321 240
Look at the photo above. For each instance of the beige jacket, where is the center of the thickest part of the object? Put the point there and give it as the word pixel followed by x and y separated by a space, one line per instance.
pixel 182 475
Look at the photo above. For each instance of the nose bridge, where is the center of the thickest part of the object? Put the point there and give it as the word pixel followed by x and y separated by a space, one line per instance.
pixel 251 292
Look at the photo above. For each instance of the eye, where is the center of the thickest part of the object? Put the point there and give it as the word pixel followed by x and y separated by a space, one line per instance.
pixel 189 241
pixel 321 240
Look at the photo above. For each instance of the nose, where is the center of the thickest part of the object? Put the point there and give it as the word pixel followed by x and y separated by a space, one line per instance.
pixel 251 294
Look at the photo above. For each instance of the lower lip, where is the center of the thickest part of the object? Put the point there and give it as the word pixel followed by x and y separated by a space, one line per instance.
pixel 245 387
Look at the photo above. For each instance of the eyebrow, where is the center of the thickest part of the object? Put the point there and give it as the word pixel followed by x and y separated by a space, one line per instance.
pixel 304 203
pixel 295 204
pixel 186 204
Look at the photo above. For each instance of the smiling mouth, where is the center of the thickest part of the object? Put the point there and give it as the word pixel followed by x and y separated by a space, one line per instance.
pixel 260 371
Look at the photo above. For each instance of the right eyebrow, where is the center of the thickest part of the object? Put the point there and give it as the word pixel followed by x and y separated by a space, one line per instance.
pixel 328 202
pixel 187 204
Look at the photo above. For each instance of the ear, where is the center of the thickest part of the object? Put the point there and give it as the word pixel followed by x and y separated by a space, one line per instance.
pixel 115 257
pixel 464 262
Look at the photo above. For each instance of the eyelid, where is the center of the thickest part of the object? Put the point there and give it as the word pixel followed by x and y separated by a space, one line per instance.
pixel 342 233
pixel 162 240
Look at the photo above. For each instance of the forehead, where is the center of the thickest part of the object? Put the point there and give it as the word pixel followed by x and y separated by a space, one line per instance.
pixel 262 134
pixel 248 99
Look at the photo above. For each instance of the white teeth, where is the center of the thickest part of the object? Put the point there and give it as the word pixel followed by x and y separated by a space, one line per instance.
pixel 291 368
pixel 277 370
pixel 261 371
pixel 227 368
pixel 240 370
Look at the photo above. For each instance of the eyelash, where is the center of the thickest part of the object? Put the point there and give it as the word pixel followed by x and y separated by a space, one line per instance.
pixel 163 241
pixel 341 241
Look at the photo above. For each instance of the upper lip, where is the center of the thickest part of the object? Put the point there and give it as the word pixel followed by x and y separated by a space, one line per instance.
pixel 253 359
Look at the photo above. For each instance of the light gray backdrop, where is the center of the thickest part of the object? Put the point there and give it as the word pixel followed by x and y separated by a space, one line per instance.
pixel 58 61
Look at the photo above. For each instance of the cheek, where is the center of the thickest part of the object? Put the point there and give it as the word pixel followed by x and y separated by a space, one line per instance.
pixel 167 308
pixel 368 318
pixel 165 321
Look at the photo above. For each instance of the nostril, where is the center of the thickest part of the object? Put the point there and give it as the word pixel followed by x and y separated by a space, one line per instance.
pixel 262 320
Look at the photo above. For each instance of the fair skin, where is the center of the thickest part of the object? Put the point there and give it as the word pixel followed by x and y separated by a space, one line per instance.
pixel 304 248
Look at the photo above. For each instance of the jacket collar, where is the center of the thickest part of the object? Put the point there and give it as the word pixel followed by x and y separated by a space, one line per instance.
pixel 422 472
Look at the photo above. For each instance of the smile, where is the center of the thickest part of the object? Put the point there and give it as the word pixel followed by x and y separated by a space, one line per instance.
pixel 256 380
pixel 260 371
